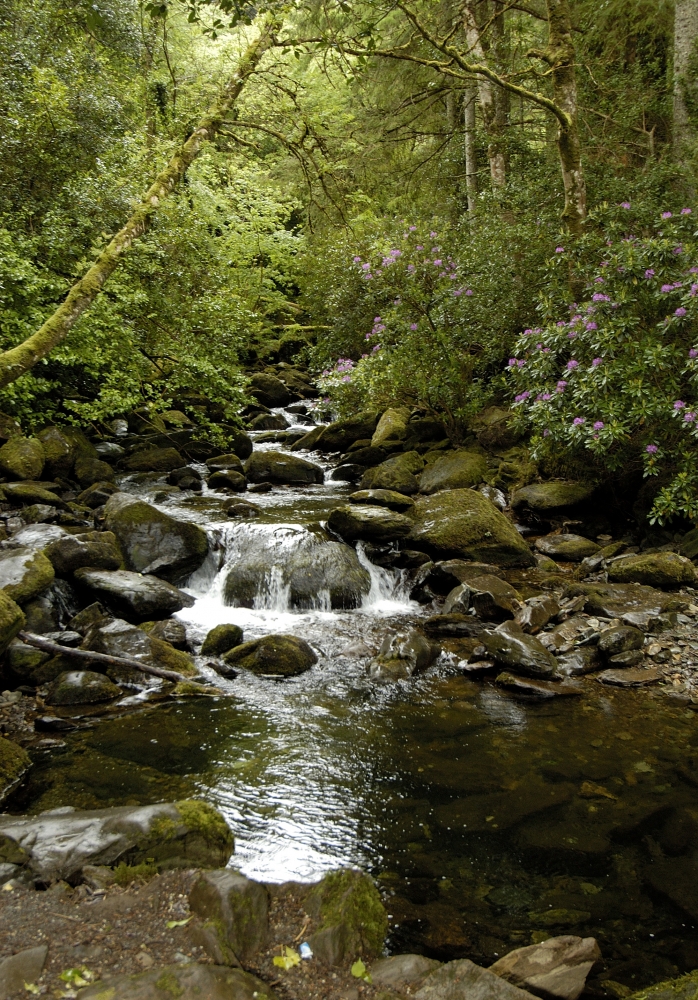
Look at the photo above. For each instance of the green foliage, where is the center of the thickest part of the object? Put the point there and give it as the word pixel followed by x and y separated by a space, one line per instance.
pixel 615 375
pixel 126 874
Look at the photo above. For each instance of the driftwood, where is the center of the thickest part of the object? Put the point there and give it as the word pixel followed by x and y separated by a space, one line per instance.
pixel 85 654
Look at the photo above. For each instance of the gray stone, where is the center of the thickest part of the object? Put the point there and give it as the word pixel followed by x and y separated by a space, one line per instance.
pixel 570 548
pixel 137 597
pixel 557 968
pixel 620 640
pixel 457 600
pixel 235 910
pixel 24 573
pixel 383 498
pixel 402 655
pixel 630 677
pixel 463 979
pixel 613 600
pixel 536 613
pixel 402 970
pixel 98 549
pixel 187 834
pixel 453 626
pixel 278 467
pixel 493 599
pixel 221 639
pixel 520 653
pixel 23 967
pixel 454 470
pixel 187 981
pixel 274 655
pixel 368 522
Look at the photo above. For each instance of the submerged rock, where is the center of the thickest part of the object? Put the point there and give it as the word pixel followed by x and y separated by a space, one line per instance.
pixel 400 656
pixel 453 471
pixel 465 523
pixel 630 677
pixel 274 655
pixel 667 570
pixel 137 597
pixel 81 687
pixel 529 688
pixel 24 573
pixel 350 918
pixel 234 911
pixel 278 467
pixel 557 968
pixel 521 653
pixel 569 548
pixel 368 522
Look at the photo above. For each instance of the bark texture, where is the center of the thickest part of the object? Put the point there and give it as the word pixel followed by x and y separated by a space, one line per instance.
pixel 21 358
pixel 685 37
pixel 470 153
pixel 491 112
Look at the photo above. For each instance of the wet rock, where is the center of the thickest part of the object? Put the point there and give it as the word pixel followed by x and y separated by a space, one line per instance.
pixel 234 912
pixel 186 478
pixel 551 498
pixel 221 639
pixel 22 458
pixel 133 595
pixel 493 600
pixel 397 473
pixel 667 570
pixel 464 523
pixel 108 449
pixel 452 625
pixel 392 426
pixel 458 600
pixel 21 969
pixel 268 422
pixel 689 544
pixel 620 640
pixel 94 614
pixel 460 979
pixel 520 653
pixel 242 508
pixel 154 542
pixel 98 549
pixel 536 613
pixel 168 630
pixel 529 688
pixel 402 655
pixel 340 435
pixel 223 463
pixel 274 655
pixel 349 916
pixel 579 662
pixel 24 573
pixel 81 687
pixel 186 834
pixel 185 980
pixel 613 600
pixel 269 390
pixel 434 580
pixel 97 494
pixel 11 620
pixel 454 470
pixel 230 480
pixel 368 522
pixel 399 971
pixel 557 968
pixel 120 638
pixel 383 498
pixel 569 548
pixel 32 493
pixel 14 764
pixel 239 443
pixel 630 677
pixel 309 440
pixel 349 472
pixel 23 660
pixel 278 467
pixel 90 470
pixel 365 456
pixel 155 460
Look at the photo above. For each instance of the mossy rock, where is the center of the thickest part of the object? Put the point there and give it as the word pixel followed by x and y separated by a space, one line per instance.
pixel 666 570
pixel 196 837
pixel 392 426
pixel 277 655
pixel 398 473
pixel 454 470
pixel 14 764
pixel 369 522
pixel 155 460
pixel 59 450
pixel 689 544
pixel 235 911
pixel 221 639
pixel 97 549
pixel 279 467
pixel 11 620
pixel 550 497
pixel 81 687
pixel 22 458
pixel 24 573
pixel 340 435
pixel 351 920
pixel 683 988
pixel 23 660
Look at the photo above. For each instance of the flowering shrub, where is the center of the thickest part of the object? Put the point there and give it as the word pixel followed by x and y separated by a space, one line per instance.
pixel 616 373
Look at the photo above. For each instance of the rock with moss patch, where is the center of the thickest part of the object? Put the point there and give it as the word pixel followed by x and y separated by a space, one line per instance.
pixel 234 915
pixel 182 982
pixel 223 463
pixel 228 480
pixel 155 460
pixel 168 630
pixel 221 639
pixel 552 497
pixel 97 494
pixel 392 426
pixel 398 473
pixel 340 435
pixel 353 521
pixel 269 390
pixel 666 570
pixel 465 523
pixel 90 470
pixel 274 655
pixel 14 764
pixel 81 687
pixel 11 620
pixel 22 458
pixel 383 498
pixel 134 596
pixel 119 638
pixel 523 654
pixel 567 547
pixel 402 655
pixel 279 467
pixel 350 918
pixel 454 470
pixel 495 428
pixel 97 549
pixel 186 834
pixel 24 573
pixel 32 493
pixel 154 542
pixel 59 451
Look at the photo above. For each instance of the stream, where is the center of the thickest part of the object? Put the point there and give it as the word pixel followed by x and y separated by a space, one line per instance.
pixel 489 821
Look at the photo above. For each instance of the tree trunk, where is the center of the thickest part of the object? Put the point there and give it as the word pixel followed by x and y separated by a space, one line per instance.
pixel 685 36
pixel 470 156
pixel 495 150
pixel 18 360
pixel 561 57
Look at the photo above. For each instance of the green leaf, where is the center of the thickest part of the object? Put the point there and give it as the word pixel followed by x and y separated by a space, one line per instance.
pixel 359 971
pixel 287 959
pixel 177 923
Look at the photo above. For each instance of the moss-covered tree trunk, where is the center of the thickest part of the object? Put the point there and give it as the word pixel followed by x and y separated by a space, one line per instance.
pixel 488 103
pixel 18 360
pixel 685 37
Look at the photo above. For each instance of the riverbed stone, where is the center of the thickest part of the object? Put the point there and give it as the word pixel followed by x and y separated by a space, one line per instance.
pixel 223 463
pixel 20 969
pixel 400 971
pixel 340 435
pixel 557 968
pixel 185 834
pixel 630 677
pixel 81 687
pixel 398 473
pixel 613 600
pixel 462 978
pixel 580 661
pixel 277 655
pixel 137 597
pixel 520 653
pixel 90 470
pixel 268 422
pixel 22 458
pixel 567 547
pixel 24 573
pixel 383 498
pixel 14 764
pixel 368 522
pixel 667 570
pixel 621 639
pixel 457 600
pixel 465 523
pixel 537 612
pixel 155 460
pixel 552 497
pixel 186 980
pixel 154 542
pixel 269 390
pixel 279 467
pixel 493 599
pixel 97 549
pixel 168 630
pixel 221 639
pixel 454 470
pixel 350 919
pixel 239 442
pixel 97 494
pixel 402 655
pixel 234 911
pixel 527 687
pixel 392 426
pixel 11 620
pixel 120 638
pixel 228 480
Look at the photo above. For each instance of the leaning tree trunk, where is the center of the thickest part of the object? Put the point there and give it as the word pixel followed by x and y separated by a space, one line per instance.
pixel 21 358
pixel 488 103
pixel 685 36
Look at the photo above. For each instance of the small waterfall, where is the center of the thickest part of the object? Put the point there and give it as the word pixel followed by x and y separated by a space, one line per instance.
pixel 274 592
pixel 388 587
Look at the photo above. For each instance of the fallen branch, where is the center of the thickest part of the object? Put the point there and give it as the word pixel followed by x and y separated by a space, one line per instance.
pixel 85 654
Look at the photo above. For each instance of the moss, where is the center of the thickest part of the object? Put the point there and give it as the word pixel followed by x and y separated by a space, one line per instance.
pixel 454 470
pixel 126 874
pixel 221 639
pixel 30 573
pixel 14 763
pixel 165 655
pixel 204 819
pixel 658 569
pixel 188 689
pixel 684 988
pixel 351 898
pixel 168 984
pixel 11 619
pixel 552 495
pixel 22 458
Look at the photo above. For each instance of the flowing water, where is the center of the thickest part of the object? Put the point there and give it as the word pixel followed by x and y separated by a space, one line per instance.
pixel 490 822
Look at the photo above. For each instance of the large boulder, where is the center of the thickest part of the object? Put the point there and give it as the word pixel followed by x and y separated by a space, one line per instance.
pixel 519 652
pixel 278 467
pixel 401 656
pixel 398 473
pixel 234 911
pixel 14 764
pixel 137 597
pixel 152 541
pixel 25 572
pixel 340 435
pixel 22 458
pixel 293 567
pixel 667 570
pixel 392 426
pixel 81 687
pixel 453 471
pixel 552 497
pixel 493 599
pixel 557 968
pixel 277 655
pixel 186 980
pixel 349 917
pixel 187 834
pixel 269 390
pixel 240 443
pixel 462 978
pixel 90 470
pixel 59 451
pixel 465 523
pixel 155 460
pixel 120 638
pixel 97 549
pixel 371 523
pixel 569 548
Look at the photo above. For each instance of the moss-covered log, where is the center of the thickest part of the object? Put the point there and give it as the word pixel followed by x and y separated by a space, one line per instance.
pixel 20 359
